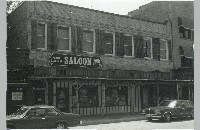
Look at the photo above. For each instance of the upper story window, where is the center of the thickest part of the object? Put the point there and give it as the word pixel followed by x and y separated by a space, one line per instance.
pixel 186 33
pixel 163 49
pixel 109 43
pixel 147 47
pixel 41 33
pixel 128 45
pixel 64 42
pixel 88 41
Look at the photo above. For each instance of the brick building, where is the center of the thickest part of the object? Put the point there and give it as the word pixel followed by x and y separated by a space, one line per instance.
pixel 181 16
pixel 87 61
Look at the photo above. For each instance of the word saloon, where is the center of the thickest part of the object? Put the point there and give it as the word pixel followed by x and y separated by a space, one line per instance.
pixel 74 61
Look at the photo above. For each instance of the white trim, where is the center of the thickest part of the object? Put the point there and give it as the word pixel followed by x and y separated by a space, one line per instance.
pixel 45 35
pixel 167 50
pixel 65 38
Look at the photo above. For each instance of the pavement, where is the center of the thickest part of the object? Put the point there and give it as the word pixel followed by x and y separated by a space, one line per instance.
pixel 111 118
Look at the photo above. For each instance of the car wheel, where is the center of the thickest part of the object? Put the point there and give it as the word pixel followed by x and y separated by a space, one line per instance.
pixel 167 117
pixel 61 125
pixel 192 115
pixel 149 119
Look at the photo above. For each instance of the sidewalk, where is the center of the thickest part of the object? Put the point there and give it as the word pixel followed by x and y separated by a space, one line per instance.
pixel 111 118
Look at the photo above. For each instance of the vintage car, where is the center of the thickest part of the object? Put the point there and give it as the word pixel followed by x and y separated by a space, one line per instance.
pixel 169 109
pixel 38 117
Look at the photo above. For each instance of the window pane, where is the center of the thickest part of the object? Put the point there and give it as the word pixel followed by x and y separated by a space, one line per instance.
pixel 41 42
pixel 128 45
pixel 147 48
pixel 109 48
pixel 88 41
pixel 63 44
pixel 162 54
pixel 63 32
pixel 63 38
pixel 128 50
pixel 41 29
pixel 108 41
pixel 162 44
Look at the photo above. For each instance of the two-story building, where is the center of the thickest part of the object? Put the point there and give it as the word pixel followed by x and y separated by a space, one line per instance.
pixel 181 16
pixel 87 61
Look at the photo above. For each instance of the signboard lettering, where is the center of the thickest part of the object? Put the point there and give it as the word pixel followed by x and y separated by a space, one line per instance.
pixel 74 60
pixel 16 95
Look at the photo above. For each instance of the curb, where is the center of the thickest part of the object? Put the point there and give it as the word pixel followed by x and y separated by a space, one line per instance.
pixel 113 120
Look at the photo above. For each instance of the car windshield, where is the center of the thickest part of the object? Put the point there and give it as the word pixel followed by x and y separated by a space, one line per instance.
pixel 168 103
pixel 20 111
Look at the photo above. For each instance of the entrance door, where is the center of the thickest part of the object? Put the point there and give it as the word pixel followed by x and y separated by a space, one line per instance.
pixel 39 97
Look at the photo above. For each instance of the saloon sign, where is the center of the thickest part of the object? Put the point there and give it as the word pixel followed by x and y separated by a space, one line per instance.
pixel 57 59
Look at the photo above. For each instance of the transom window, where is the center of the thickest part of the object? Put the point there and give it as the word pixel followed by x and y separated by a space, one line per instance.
pixel 64 38
pixel 127 45
pixel 109 43
pixel 163 49
pixel 147 48
pixel 41 33
pixel 88 41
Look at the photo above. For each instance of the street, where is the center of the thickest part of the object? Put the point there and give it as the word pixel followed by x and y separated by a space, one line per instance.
pixel 142 125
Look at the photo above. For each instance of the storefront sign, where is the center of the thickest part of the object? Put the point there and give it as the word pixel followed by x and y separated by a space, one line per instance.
pixel 16 95
pixel 74 60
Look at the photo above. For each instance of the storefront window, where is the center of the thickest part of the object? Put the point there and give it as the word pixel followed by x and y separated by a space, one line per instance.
pixel 116 96
pixel 87 95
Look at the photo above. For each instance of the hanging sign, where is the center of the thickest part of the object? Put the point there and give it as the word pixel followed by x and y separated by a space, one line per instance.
pixel 57 59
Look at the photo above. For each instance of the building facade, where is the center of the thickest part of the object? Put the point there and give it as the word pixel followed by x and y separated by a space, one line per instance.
pixel 181 16
pixel 87 61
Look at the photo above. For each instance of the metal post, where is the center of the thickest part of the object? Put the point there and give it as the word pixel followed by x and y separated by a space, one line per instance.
pixel 157 94
pixel 177 88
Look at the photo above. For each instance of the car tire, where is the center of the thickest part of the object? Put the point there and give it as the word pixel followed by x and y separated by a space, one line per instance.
pixel 167 117
pixel 149 119
pixel 61 125
pixel 192 115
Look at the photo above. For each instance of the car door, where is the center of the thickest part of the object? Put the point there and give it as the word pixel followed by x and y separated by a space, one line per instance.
pixel 178 110
pixel 34 119
pixel 189 108
pixel 50 118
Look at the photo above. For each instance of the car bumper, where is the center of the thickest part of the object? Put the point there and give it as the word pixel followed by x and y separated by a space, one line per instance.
pixel 153 116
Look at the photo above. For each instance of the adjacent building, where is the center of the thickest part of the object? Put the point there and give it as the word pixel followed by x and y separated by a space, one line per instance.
pixel 181 16
pixel 88 61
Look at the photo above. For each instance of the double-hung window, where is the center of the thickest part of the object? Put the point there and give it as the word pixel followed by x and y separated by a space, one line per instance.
pixel 41 33
pixel 64 42
pixel 128 45
pixel 163 50
pixel 88 41
pixel 109 43
pixel 147 47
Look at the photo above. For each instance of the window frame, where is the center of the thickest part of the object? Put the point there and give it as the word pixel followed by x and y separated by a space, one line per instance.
pixel 94 44
pixel 132 44
pixel 64 26
pixel 151 51
pixel 167 50
pixel 45 35
pixel 114 53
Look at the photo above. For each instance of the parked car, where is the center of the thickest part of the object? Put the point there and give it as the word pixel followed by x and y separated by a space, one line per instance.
pixel 38 117
pixel 169 109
